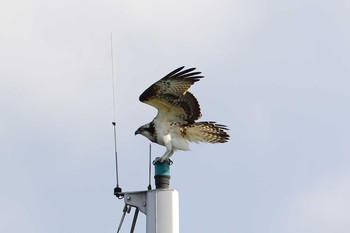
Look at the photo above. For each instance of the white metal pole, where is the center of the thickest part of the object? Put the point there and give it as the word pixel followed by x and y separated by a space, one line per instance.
pixel 161 207
pixel 162 211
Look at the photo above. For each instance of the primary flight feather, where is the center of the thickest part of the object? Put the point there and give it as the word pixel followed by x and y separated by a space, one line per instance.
pixel 175 124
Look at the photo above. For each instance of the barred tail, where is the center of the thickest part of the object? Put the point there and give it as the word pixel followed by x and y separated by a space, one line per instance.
pixel 208 131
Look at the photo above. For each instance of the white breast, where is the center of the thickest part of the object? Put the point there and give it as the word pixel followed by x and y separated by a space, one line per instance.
pixel 170 136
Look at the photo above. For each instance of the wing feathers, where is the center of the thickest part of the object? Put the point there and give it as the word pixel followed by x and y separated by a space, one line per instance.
pixel 170 94
pixel 174 72
pixel 205 132
pixel 184 72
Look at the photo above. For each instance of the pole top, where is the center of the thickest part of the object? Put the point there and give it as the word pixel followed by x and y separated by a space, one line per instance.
pixel 162 173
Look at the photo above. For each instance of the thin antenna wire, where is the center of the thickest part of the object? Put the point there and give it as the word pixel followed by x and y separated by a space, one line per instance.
pixel 113 85
pixel 117 190
pixel 149 167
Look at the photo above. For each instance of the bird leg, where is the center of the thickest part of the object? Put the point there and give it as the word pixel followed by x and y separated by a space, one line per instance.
pixel 169 148
pixel 165 157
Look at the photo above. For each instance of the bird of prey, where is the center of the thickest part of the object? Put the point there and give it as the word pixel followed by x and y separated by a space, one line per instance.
pixel 175 124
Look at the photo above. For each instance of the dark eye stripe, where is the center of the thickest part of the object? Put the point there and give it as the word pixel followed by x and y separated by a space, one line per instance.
pixel 151 128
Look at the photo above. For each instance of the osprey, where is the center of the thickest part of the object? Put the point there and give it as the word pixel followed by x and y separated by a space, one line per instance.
pixel 175 124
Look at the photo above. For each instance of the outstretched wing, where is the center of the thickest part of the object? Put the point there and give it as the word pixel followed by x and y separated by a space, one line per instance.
pixel 170 96
pixel 208 131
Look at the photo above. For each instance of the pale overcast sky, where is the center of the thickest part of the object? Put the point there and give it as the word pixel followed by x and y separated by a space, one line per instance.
pixel 276 72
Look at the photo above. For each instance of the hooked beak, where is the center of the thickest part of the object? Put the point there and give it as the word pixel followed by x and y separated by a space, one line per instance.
pixel 138 131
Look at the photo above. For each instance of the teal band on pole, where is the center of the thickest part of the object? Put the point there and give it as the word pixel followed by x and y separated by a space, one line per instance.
pixel 162 169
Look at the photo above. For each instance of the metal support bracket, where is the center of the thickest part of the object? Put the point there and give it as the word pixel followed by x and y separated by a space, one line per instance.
pixel 136 199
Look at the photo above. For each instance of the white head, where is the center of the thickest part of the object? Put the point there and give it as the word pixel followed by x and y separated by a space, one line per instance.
pixel 148 131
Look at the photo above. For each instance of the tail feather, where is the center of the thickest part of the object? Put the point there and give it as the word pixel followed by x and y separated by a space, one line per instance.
pixel 207 131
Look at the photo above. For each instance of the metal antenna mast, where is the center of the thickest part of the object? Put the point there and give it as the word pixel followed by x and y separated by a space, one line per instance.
pixel 149 168
pixel 117 189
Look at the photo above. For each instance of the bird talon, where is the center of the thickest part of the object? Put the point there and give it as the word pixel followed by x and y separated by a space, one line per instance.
pixel 162 160
pixel 157 160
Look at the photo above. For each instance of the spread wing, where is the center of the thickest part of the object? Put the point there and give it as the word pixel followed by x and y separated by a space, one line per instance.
pixel 207 131
pixel 170 96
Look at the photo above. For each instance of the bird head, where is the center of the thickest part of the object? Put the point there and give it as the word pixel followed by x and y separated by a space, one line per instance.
pixel 148 131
